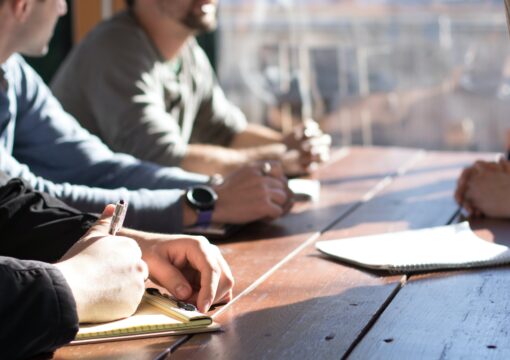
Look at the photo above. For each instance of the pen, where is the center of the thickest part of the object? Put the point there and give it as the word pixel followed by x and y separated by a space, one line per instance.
pixel 118 216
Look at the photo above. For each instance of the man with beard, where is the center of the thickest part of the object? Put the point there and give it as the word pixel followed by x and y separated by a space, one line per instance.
pixel 141 83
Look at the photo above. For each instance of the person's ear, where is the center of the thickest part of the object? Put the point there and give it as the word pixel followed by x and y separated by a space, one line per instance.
pixel 20 9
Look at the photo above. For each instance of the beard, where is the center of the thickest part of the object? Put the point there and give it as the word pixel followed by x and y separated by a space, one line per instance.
pixel 200 23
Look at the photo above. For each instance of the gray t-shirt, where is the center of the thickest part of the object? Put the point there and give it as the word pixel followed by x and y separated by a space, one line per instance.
pixel 119 87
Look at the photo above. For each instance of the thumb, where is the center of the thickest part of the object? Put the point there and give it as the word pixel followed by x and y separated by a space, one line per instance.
pixel 107 212
pixel 103 224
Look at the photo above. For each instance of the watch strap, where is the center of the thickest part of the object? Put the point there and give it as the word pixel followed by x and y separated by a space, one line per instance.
pixel 204 217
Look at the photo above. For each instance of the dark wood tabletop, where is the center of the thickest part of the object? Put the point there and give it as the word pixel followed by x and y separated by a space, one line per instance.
pixel 290 302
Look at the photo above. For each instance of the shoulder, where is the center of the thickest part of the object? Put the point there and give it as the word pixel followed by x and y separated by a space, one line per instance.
pixel 19 73
pixel 115 38
pixel 196 57
pixel 15 63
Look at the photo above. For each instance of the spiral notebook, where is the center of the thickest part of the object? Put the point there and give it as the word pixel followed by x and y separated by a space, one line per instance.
pixel 445 247
pixel 157 315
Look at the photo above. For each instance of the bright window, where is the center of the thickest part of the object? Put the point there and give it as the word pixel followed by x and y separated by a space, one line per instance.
pixel 432 74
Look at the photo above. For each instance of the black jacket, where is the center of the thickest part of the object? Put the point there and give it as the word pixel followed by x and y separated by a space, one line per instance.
pixel 37 309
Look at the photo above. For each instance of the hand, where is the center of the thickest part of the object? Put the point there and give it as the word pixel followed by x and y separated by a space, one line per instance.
pixel 487 189
pixel 105 273
pixel 307 147
pixel 189 267
pixel 460 191
pixel 248 195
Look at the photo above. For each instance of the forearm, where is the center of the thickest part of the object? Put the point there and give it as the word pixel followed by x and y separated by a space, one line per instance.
pixel 38 309
pixel 256 135
pixel 212 159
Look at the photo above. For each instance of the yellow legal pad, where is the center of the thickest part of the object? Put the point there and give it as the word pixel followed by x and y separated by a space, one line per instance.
pixel 157 315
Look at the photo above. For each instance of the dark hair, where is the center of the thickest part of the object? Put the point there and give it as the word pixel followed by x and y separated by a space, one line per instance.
pixel 129 3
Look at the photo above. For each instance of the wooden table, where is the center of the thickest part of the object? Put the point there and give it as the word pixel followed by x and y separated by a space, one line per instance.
pixel 292 303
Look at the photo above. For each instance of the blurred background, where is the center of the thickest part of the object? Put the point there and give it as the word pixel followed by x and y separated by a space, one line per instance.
pixel 433 74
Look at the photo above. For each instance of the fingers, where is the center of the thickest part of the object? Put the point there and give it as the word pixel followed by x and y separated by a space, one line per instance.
pixel 278 192
pixel 271 168
pixel 248 195
pixel 209 280
pixel 322 141
pixel 192 264
pixel 216 280
pixel 175 282
pixel 461 185
pixel 144 269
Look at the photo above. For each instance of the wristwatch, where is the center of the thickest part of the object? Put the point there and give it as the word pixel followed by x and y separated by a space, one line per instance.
pixel 202 199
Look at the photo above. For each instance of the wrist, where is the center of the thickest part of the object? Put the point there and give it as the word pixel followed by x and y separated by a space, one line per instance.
pixel 68 271
pixel 189 216
pixel 202 200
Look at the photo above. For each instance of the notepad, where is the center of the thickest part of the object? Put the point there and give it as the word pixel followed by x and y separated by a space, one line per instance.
pixel 305 189
pixel 445 247
pixel 157 315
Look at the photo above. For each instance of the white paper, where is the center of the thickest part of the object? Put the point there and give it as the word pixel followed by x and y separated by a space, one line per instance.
pixel 452 246
pixel 305 189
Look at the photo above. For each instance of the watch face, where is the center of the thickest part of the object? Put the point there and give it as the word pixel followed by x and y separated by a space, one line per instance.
pixel 202 197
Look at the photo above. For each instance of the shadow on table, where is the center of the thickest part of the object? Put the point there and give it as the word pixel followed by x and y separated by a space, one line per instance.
pixel 322 327
pixel 380 175
pixel 425 202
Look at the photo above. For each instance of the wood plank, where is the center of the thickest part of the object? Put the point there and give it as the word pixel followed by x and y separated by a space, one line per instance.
pixel 463 314
pixel 345 181
pixel 419 197
pixel 145 349
pixel 316 308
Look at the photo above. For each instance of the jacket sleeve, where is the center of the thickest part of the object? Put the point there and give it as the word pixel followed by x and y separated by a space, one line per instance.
pixel 37 309
pixel 35 226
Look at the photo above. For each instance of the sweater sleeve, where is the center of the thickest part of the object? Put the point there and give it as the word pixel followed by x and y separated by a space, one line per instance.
pixel 37 309
pixel 149 210
pixel 56 147
pixel 55 155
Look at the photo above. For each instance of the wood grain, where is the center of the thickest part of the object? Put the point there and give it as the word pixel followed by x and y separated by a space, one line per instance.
pixel 448 315
pixel 145 349
pixel 283 285
pixel 314 307
pixel 258 247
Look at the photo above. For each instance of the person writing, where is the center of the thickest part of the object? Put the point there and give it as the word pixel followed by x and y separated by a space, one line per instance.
pixel 142 84
pixel 57 269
